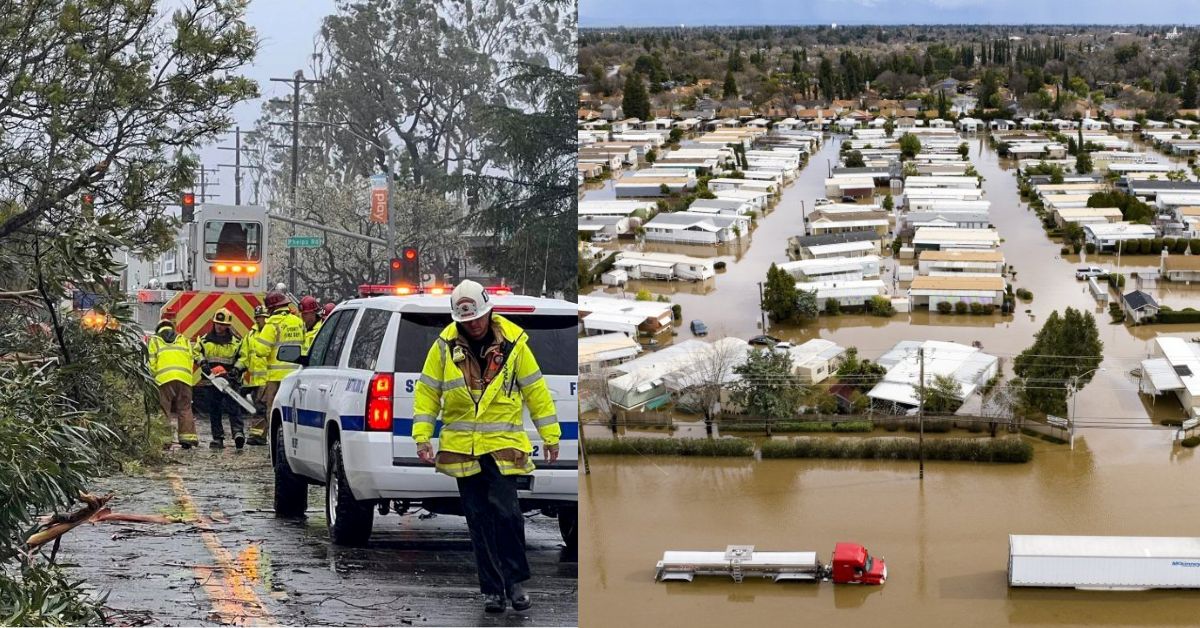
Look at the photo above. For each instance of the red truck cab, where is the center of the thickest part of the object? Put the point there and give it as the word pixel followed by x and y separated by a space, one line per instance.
pixel 852 564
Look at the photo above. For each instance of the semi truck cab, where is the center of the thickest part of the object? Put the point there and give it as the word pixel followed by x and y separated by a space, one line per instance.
pixel 853 564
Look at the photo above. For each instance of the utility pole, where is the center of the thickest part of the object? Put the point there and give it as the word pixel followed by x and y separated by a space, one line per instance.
pixel 297 82
pixel 236 165
pixel 761 312
pixel 202 173
pixel 921 417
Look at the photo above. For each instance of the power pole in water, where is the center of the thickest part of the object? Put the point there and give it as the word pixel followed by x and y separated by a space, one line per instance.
pixel 297 82
pixel 921 417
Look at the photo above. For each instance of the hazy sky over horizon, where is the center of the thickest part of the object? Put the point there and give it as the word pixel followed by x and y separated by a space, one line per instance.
pixel 601 13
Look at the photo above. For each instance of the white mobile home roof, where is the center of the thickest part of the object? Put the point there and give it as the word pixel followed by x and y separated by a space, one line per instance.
pixel 842 247
pixel 611 208
pixel 604 347
pixel 834 289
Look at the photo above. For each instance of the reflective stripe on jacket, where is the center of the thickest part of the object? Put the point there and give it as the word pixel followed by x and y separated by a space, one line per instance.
pixel 309 336
pixel 494 425
pixel 170 361
pixel 256 365
pixel 282 329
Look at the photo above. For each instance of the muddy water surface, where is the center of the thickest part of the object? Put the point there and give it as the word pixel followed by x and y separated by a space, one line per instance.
pixel 945 538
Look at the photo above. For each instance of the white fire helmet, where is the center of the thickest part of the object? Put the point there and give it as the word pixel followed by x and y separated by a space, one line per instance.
pixel 469 301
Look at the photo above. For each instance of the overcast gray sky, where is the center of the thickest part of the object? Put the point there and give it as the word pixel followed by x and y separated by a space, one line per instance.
pixel 739 12
pixel 288 29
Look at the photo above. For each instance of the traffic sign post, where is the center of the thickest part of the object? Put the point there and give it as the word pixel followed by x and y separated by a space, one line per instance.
pixel 304 242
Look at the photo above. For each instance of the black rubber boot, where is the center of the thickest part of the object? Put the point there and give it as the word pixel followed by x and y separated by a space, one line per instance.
pixel 239 441
pixel 494 603
pixel 216 443
pixel 519 598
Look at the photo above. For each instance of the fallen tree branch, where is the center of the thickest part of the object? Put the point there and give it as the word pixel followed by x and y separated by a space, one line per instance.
pixel 60 524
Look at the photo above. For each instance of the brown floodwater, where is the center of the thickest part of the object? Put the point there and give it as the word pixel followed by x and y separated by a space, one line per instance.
pixel 944 538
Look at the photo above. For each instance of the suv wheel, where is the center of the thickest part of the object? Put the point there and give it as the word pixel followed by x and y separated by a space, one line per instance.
pixel 291 492
pixel 350 520
pixel 568 526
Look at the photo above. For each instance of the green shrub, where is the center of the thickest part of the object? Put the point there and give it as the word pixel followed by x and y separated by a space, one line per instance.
pixel 1024 295
pixel 944 307
pixel 960 307
pixel 1186 315
pixel 671 446
pixel 1194 246
pixel 719 265
pixel 979 308
pixel 1179 247
pixel 1191 441
pixel 880 306
pixel 833 307
pixel 677 312
pixel 1090 247
pixel 1064 250
pixel 822 426
pixel 1156 245
pixel 1009 449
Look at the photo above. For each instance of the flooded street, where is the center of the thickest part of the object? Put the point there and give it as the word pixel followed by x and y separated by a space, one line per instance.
pixel 728 304
pixel 230 561
pixel 944 538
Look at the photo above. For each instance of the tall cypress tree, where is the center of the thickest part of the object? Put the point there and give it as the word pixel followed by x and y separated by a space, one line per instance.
pixel 635 102
pixel 1188 97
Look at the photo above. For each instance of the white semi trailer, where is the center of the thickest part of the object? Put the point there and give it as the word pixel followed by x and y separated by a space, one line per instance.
pixel 1131 563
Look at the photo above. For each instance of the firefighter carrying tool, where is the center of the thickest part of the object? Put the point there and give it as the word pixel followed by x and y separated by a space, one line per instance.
pixel 221 354
pixel 170 361
pixel 255 376
pixel 281 329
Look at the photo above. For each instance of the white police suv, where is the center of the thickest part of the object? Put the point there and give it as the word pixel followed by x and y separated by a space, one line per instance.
pixel 344 420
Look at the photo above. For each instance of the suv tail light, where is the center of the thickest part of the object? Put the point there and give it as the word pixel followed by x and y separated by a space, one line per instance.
pixel 379 403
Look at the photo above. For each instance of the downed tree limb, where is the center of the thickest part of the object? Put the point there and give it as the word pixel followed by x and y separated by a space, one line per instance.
pixel 60 524
pixel 108 515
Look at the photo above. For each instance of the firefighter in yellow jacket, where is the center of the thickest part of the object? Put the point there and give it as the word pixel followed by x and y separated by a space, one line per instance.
pixel 478 374
pixel 219 354
pixel 255 376
pixel 170 361
pixel 281 329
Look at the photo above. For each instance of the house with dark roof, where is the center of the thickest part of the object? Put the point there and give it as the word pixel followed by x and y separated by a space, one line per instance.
pixel 1138 306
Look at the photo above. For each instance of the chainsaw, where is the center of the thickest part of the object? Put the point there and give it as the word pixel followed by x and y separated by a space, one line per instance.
pixel 218 381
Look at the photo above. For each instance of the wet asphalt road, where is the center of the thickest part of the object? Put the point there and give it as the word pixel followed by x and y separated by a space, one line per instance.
pixel 232 562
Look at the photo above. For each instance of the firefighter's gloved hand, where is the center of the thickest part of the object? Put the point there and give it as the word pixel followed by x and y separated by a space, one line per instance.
pixel 235 375
pixel 425 452
pixel 206 367
pixel 218 371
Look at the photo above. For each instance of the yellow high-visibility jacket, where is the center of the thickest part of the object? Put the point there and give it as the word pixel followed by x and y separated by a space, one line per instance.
pixel 255 365
pixel 170 361
pixel 496 422
pixel 281 329
pixel 310 335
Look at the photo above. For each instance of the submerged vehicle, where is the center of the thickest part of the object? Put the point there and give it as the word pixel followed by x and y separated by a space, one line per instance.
pixel 851 563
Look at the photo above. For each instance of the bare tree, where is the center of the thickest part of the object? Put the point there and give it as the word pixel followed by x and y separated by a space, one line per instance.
pixel 706 381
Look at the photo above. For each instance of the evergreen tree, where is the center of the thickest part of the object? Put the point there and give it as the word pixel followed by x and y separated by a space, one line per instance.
pixel 1188 98
pixel 1067 347
pixel 1083 162
pixel 635 102
pixel 730 89
pixel 779 295
pixel 767 387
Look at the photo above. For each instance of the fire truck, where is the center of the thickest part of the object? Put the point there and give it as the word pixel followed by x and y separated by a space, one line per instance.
pixel 220 262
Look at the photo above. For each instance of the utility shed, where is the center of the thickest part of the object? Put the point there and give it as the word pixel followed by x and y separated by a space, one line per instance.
pixel 931 290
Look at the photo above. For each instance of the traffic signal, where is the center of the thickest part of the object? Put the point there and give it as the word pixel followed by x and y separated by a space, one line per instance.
pixel 411 268
pixel 87 204
pixel 188 207
pixel 395 271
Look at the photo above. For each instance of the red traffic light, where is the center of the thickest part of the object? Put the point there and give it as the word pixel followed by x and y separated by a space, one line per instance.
pixel 395 264
pixel 410 254
pixel 189 198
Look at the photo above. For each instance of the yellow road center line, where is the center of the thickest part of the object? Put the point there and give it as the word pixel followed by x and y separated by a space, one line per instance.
pixel 232 594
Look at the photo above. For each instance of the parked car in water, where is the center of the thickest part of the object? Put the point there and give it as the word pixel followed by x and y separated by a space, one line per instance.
pixel 699 328
pixel 822 201
pixel 765 340
pixel 849 199
pixel 1090 271
pixel 603 237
